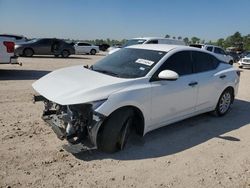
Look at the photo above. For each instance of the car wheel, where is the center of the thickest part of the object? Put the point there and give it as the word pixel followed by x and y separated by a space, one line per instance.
pixel 224 102
pixel 65 53
pixel 115 132
pixel 93 52
pixel 231 62
pixel 28 52
pixel 241 67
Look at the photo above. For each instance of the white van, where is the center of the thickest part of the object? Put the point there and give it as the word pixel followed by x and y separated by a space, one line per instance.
pixel 148 40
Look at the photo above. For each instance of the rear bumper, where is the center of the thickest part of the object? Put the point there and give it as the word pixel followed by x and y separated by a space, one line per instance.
pixel 13 60
pixel 244 65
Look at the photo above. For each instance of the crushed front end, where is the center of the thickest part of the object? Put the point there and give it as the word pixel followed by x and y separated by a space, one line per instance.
pixel 77 123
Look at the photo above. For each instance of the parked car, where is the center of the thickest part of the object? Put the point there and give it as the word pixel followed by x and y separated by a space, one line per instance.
pixel 7 51
pixel 219 52
pixel 44 46
pixel 244 54
pixel 148 40
pixel 15 38
pixel 103 47
pixel 244 62
pixel 86 48
pixel 141 87
pixel 234 55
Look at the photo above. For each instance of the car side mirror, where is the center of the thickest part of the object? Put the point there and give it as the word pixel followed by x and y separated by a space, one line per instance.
pixel 168 75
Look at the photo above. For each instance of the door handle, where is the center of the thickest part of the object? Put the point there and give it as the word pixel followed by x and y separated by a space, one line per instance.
pixel 193 83
pixel 223 76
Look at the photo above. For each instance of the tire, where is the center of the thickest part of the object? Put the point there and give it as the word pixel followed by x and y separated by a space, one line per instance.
pixel 224 103
pixel 65 53
pixel 241 67
pixel 115 132
pixel 231 62
pixel 28 52
pixel 93 52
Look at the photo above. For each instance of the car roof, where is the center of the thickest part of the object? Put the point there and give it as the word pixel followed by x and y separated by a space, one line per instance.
pixel 11 35
pixel 163 47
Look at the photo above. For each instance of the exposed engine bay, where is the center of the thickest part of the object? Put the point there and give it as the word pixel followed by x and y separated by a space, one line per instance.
pixel 77 123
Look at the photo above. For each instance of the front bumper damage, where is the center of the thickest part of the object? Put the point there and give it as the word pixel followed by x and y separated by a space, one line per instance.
pixel 75 123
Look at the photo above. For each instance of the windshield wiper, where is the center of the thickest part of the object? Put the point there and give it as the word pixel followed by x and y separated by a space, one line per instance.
pixel 106 72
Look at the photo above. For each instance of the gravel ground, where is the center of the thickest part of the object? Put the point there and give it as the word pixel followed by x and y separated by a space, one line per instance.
pixel 203 151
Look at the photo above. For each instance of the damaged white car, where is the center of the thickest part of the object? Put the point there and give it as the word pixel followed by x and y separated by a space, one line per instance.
pixel 141 87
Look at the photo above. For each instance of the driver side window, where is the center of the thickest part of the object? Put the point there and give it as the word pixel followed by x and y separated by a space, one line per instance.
pixel 179 62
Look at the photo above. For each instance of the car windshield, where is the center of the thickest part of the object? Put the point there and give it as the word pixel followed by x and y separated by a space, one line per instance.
pixel 133 42
pixel 128 62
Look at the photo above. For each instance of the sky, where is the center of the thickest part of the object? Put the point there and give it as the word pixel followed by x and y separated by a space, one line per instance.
pixel 124 19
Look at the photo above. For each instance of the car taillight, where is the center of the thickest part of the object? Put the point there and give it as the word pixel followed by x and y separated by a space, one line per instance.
pixel 9 46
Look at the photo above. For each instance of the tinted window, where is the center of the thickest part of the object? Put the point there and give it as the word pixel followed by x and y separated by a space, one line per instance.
pixel 204 62
pixel 45 41
pixel 152 42
pixel 180 62
pixel 83 44
pixel 210 48
pixel 219 51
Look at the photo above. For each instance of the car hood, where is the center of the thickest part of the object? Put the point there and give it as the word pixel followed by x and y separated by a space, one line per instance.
pixel 76 85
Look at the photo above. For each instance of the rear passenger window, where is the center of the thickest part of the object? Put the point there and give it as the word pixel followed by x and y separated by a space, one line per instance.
pixel 83 44
pixel 210 49
pixel 204 62
pixel 219 51
pixel 152 42
pixel 180 62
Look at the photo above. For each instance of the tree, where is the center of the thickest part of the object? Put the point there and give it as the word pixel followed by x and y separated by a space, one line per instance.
pixel 174 37
pixel 221 42
pixel 186 40
pixel 167 36
pixel 179 38
pixel 195 40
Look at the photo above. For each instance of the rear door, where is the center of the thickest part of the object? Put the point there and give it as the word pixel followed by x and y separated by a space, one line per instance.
pixel 205 68
pixel 173 100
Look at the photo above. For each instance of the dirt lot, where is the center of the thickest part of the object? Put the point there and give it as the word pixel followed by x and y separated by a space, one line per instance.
pixel 203 151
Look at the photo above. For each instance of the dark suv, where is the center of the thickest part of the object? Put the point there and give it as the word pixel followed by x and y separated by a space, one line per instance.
pixel 44 46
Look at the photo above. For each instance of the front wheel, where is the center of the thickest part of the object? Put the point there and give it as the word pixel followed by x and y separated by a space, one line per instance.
pixel 115 132
pixel 224 102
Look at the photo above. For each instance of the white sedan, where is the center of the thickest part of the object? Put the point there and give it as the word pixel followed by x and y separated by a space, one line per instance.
pixel 244 62
pixel 141 87
pixel 85 48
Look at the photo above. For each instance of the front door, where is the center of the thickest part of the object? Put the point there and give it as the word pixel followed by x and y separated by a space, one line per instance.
pixel 173 100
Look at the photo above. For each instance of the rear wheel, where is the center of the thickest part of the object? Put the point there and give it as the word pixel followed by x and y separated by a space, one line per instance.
pixel 115 132
pixel 65 53
pixel 93 52
pixel 28 52
pixel 224 102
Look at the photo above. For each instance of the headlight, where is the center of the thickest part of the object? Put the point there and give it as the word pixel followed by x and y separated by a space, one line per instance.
pixel 97 104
